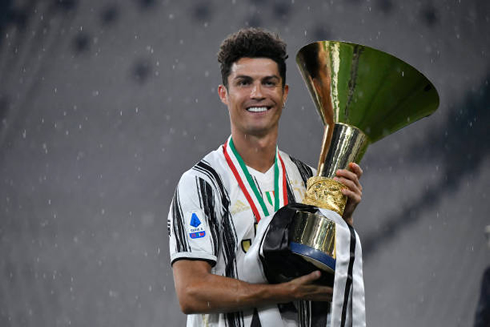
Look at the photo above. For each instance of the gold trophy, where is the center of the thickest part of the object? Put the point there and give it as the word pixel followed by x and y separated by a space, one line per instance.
pixel 362 95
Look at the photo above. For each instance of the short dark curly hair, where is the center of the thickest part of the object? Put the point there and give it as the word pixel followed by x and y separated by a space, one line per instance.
pixel 252 43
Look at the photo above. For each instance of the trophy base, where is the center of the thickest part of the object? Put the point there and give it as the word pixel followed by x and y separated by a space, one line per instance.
pixel 318 258
pixel 283 259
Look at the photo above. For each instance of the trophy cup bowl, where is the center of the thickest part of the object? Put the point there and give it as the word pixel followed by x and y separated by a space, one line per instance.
pixel 362 95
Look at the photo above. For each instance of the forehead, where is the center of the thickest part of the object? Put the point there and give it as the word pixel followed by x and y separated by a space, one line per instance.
pixel 254 67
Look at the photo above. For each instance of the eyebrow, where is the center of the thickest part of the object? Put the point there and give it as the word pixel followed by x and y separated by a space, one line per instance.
pixel 250 77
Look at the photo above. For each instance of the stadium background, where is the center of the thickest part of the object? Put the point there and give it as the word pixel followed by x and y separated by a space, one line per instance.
pixel 103 104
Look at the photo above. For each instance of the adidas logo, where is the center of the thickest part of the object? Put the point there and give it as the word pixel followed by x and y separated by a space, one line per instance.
pixel 239 206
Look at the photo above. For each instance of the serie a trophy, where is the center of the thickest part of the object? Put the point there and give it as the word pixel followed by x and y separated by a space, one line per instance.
pixel 362 96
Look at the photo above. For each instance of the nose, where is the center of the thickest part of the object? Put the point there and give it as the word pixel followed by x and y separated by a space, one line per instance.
pixel 257 91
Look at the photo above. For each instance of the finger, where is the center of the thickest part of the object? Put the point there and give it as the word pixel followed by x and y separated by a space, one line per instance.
pixel 353 191
pixel 347 174
pixel 320 293
pixel 306 289
pixel 310 278
pixel 356 197
pixel 352 185
pixel 355 168
pixel 355 175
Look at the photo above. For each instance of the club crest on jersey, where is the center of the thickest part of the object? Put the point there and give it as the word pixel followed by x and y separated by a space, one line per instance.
pixel 196 229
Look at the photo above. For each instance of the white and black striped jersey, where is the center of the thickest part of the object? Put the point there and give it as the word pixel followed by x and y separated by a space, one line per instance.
pixel 210 219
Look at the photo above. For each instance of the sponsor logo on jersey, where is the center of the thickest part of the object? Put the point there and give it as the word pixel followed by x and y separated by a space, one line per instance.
pixel 196 230
pixel 195 222
pixel 239 206
pixel 197 234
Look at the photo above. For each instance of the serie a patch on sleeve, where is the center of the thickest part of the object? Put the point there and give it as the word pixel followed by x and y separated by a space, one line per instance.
pixel 196 229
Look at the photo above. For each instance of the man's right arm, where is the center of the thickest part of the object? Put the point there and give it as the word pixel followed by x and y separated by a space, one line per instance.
pixel 200 291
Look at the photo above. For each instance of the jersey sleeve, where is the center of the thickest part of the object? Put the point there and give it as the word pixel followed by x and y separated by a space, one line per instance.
pixel 192 220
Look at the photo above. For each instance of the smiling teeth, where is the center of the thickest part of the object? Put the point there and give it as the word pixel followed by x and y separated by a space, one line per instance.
pixel 257 109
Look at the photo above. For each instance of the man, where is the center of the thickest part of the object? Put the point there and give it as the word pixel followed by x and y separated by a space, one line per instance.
pixel 482 314
pixel 219 201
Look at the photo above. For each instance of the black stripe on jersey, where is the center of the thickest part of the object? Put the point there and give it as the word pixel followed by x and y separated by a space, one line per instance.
pixel 206 201
pixel 230 239
pixel 257 185
pixel 304 170
pixel 348 283
pixel 215 225
pixel 319 313
pixel 255 319
pixel 178 224
pixel 199 190
pixel 206 169
pixel 228 234
pixel 304 314
pixel 289 191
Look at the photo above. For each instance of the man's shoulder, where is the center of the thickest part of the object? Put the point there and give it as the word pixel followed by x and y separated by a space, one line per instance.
pixel 298 164
pixel 210 167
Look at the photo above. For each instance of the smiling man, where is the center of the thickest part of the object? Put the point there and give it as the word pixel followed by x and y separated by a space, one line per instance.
pixel 219 202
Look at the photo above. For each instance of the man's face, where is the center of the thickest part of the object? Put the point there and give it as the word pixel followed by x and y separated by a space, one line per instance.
pixel 255 96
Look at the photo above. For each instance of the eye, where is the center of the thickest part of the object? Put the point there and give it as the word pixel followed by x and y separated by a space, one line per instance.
pixel 243 82
pixel 270 82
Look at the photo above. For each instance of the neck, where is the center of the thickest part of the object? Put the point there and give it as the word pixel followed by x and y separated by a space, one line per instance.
pixel 257 152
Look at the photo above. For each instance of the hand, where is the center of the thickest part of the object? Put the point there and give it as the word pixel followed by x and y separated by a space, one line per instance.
pixel 303 288
pixel 350 178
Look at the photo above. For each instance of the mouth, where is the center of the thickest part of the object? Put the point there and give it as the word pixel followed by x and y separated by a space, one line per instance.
pixel 258 109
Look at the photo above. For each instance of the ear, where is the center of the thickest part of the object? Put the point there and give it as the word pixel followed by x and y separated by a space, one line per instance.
pixel 286 91
pixel 223 94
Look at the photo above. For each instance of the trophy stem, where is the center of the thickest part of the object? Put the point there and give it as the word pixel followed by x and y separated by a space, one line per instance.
pixel 326 141
pixel 341 145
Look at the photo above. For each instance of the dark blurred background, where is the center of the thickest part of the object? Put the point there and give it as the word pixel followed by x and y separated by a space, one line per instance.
pixel 103 104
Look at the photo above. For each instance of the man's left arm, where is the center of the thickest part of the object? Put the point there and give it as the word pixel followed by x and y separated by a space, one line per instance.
pixel 350 178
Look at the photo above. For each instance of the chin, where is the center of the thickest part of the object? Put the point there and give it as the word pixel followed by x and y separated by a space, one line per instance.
pixel 260 132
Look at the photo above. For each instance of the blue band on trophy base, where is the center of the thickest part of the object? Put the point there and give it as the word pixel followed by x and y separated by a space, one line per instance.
pixel 312 253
